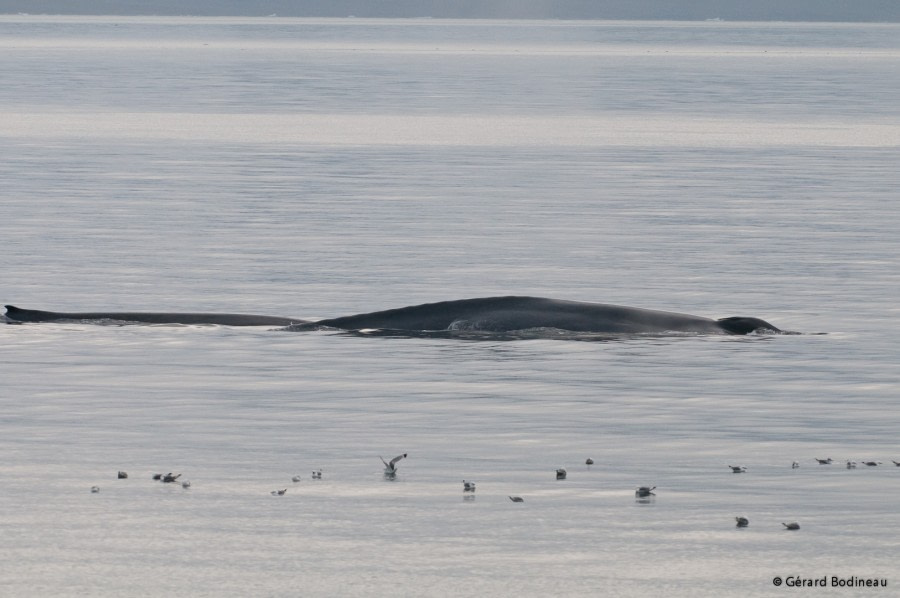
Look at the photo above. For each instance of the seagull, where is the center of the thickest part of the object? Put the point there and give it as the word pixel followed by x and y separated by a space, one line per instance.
pixel 742 521
pixel 897 463
pixel 795 465
pixel 317 475
pixel 824 461
pixel 123 475
pixel 296 479
pixel 589 461
pixel 851 464
pixel 560 474
pixel 516 499
pixel 390 468
pixel 169 478
pixel 157 476
pixel 872 463
pixel 185 484
pixel 468 486
pixel 278 492
pixel 95 489
pixel 791 525
pixel 737 468
pixel 645 491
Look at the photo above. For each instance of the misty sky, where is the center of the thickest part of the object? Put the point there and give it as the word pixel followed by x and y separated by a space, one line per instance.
pixel 754 10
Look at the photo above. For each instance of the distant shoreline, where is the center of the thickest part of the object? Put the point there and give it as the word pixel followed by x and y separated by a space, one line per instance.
pixel 429 18
pixel 829 11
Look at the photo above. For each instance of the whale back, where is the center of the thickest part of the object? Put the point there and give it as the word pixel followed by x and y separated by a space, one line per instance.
pixel 35 315
pixel 485 314
pixel 501 314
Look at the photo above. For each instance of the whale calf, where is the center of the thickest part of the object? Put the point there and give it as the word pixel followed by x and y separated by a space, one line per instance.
pixel 486 314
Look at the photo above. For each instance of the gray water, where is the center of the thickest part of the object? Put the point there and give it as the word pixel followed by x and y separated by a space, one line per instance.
pixel 316 168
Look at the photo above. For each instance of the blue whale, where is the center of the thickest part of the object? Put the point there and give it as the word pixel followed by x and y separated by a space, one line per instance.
pixel 487 314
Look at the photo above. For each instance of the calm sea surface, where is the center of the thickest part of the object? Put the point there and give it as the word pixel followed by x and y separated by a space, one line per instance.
pixel 317 168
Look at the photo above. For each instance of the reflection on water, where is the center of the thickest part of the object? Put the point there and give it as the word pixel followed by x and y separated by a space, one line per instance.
pixel 534 334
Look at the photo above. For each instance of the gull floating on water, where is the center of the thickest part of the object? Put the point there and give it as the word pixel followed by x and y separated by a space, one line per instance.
pixel 278 492
pixel 560 474
pixel 317 474
pixel 95 489
pixel 468 486
pixel 795 465
pixel 645 491
pixel 872 463
pixel 123 475
pixel 824 461
pixel 791 525
pixel 296 479
pixel 170 477
pixel 589 461
pixel 851 464
pixel 516 499
pixel 742 521
pixel 185 484
pixel 897 463
pixel 390 468
pixel 738 468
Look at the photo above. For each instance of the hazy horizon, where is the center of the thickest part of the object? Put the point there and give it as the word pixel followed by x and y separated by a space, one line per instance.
pixel 761 10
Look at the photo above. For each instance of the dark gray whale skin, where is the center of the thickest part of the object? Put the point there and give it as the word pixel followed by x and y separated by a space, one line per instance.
pixel 16 314
pixel 502 314
pixel 488 314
